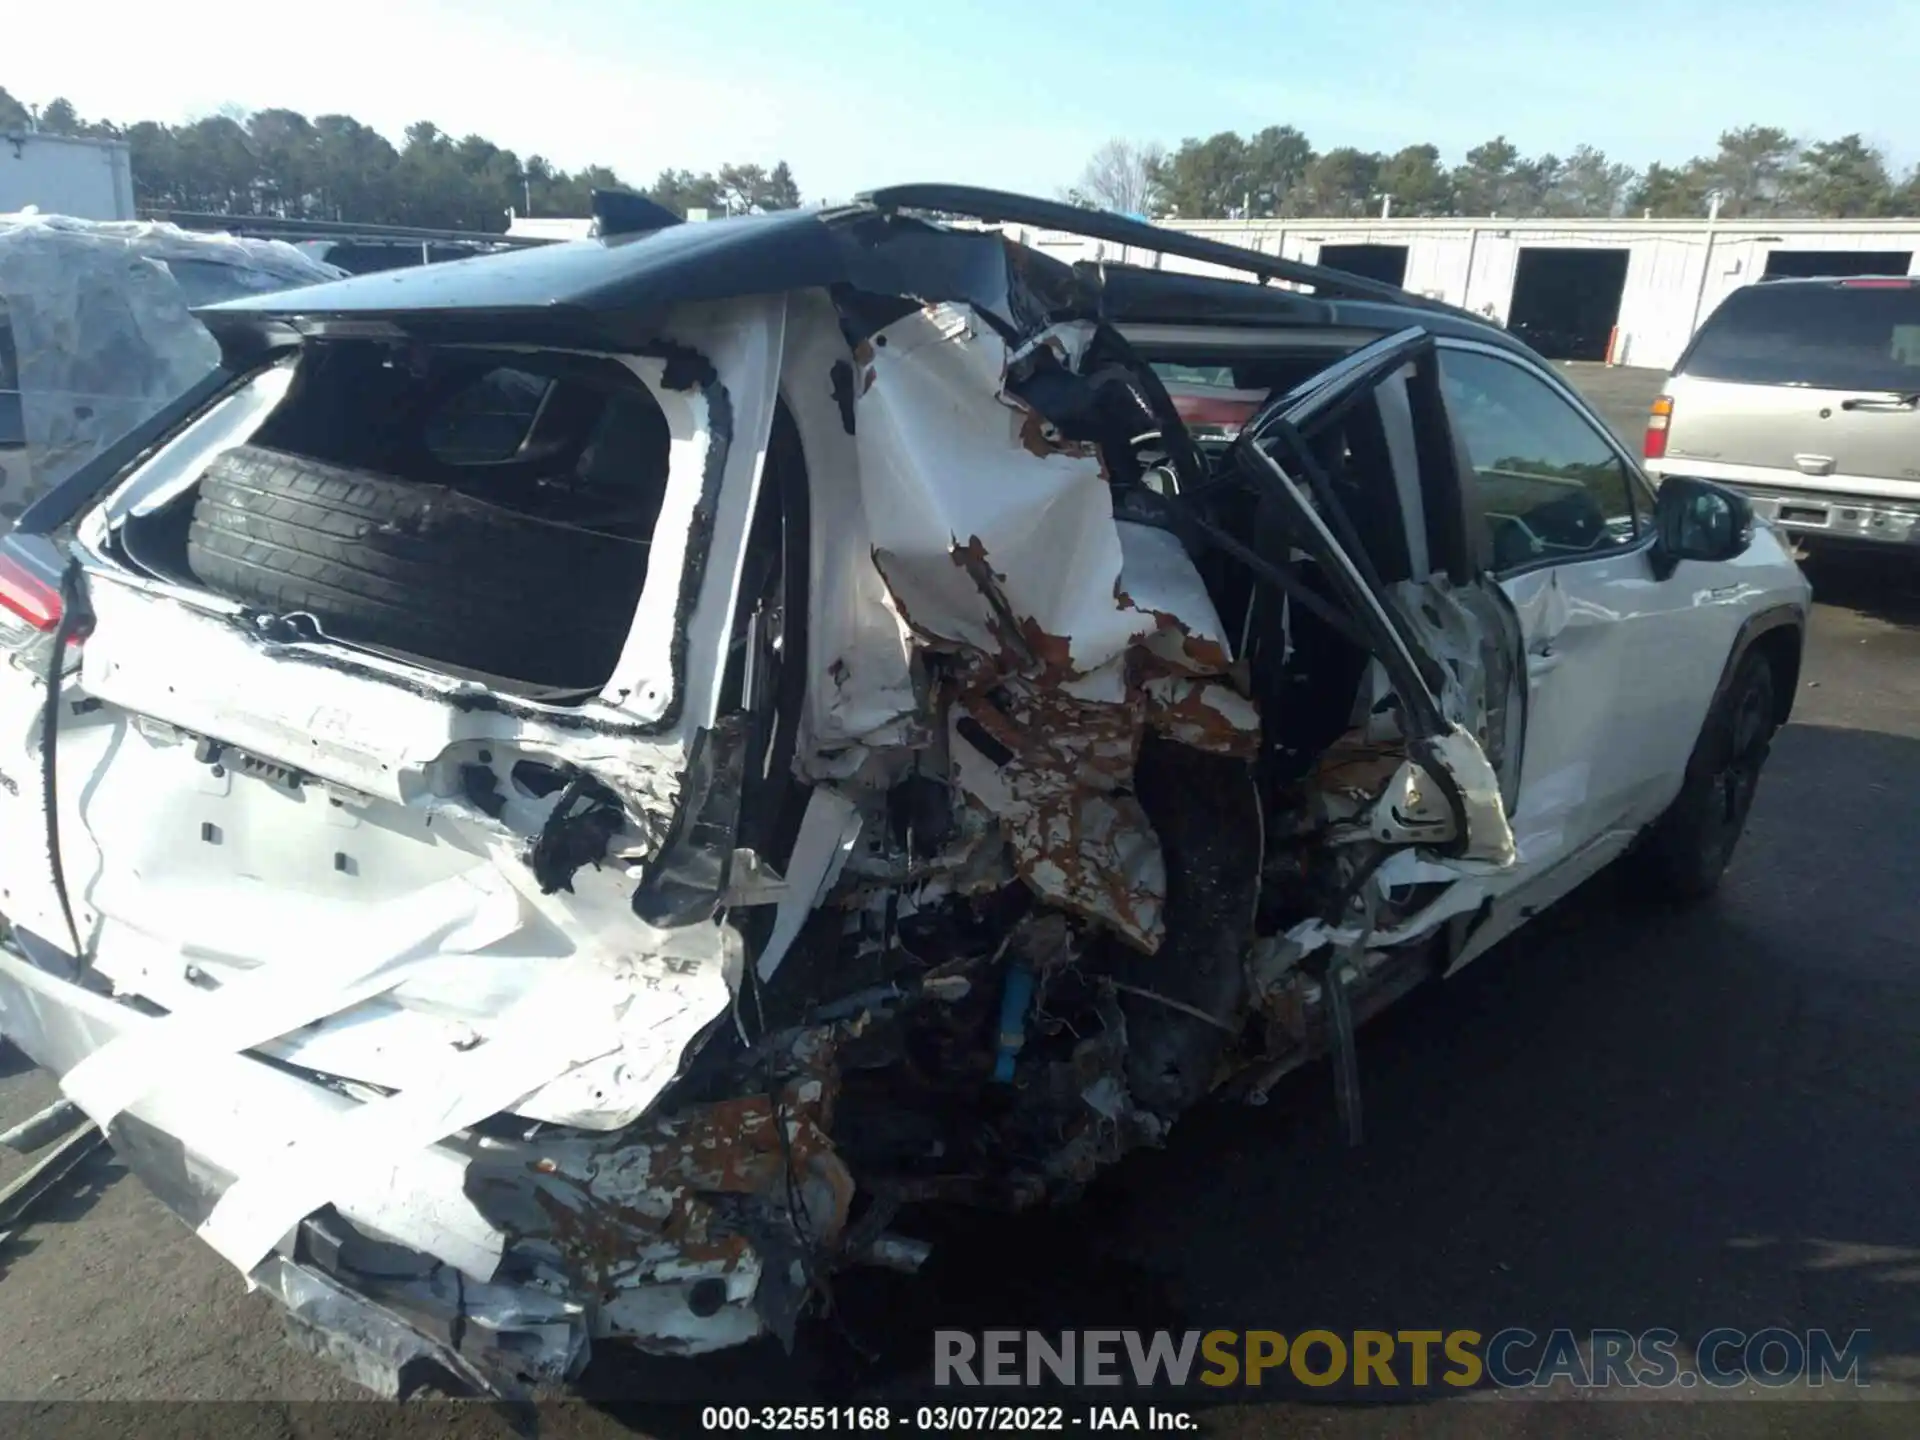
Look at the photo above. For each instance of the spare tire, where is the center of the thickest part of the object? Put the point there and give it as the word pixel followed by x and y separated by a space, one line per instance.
pixel 415 568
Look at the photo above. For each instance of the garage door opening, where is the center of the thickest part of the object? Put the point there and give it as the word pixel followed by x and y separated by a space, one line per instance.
pixel 1837 262
pixel 1375 262
pixel 1566 302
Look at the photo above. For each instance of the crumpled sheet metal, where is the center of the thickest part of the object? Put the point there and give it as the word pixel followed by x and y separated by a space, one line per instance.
pixel 1079 838
pixel 101 329
pixel 1071 633
pixel 491 1332
pixel 988 539
pixel 681 1198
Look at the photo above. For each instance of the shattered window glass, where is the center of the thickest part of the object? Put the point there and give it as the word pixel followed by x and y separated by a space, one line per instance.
pixel 1549 484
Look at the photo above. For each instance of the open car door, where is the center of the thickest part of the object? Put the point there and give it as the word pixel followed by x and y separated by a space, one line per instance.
pixel 1343 502
pixel 1387 668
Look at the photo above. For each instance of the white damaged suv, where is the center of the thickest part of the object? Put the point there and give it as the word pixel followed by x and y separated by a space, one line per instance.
pixel 555 796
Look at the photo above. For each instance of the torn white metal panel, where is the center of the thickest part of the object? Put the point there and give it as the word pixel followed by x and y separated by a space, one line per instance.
pixel 996 540
pixel 1158 581
pixel 1206 714
pixel 175 915
pixel 858 652
pixel 1079 836
pixel 989 536
pixel 284 992
pixel 240 1115
pixel 556 1029
pixel 828 830
pixel 1489 838
pixel 1071 632
pixel 657 990
pixel 742 340
pixel 1412 810
pixel 1454 638
pixel 1474 636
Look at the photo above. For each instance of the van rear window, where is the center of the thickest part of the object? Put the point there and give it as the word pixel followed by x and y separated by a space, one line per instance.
pixel 1832 337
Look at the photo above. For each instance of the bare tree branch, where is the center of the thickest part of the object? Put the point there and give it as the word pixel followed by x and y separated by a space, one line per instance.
pixel 1122 176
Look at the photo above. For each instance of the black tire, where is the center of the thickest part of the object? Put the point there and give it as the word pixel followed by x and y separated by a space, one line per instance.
pixel 1206 810
pixel 1686 851
pixel 415 568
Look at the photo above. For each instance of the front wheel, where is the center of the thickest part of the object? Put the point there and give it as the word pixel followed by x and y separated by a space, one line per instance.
pixel 1687 850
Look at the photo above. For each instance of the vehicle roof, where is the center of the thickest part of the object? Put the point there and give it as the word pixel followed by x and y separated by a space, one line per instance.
pixel 614 287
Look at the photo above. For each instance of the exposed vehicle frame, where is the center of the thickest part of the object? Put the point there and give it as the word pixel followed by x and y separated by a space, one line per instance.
pixel 989 768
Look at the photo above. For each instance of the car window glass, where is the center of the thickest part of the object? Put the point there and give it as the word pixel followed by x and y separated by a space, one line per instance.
pixel 489 420
pixel 1858 336
pixel 1548 483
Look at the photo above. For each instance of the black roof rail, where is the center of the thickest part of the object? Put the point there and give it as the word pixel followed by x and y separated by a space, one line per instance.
pixel 279 227
pixel 1002 207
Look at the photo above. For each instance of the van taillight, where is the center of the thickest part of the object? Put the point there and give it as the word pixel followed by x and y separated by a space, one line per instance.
pixel 28 596
pixel 1658 418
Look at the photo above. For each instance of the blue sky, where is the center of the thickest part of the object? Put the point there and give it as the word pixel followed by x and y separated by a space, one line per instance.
pixel 985 92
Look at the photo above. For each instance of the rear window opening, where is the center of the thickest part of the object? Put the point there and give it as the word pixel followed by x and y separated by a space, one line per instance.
pixel 489 513
pixel 1216 399
pixel 1839 336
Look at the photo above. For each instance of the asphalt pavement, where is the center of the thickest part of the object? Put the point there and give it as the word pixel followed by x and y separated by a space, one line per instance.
pixel 1626 1117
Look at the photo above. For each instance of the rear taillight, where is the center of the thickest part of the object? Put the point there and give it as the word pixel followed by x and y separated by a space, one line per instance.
pixel 1658 418
pixel 27 597
pixel 31 607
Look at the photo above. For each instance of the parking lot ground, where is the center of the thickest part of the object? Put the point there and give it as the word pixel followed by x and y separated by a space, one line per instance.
pixel 1626 1117
pixel 1621 393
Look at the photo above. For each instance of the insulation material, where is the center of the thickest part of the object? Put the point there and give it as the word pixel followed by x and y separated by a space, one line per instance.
pixel 95 321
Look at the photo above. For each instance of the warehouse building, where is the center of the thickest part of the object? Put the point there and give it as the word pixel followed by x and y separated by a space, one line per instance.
pixel 1629 291
pixel 78 175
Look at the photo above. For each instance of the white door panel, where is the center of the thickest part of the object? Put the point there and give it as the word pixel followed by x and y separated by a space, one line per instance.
pixel 1620 668
pixel 1675 643
pixel 1573 777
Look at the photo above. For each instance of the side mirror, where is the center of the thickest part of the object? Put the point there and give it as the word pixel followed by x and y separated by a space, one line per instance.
pixel 1698 520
